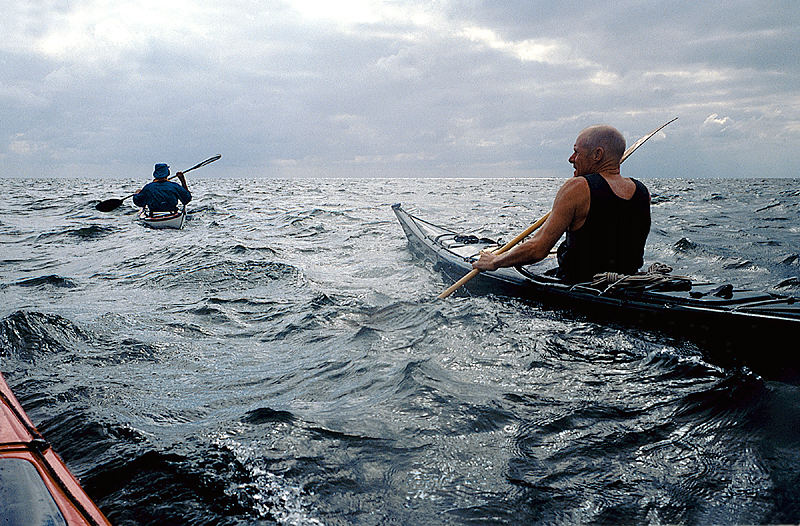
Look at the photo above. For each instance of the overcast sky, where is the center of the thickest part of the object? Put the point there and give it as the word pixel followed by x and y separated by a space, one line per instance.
pixel 450 88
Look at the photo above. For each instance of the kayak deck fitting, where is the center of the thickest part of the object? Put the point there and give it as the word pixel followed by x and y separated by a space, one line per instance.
pixel 36 487
pixel 736 327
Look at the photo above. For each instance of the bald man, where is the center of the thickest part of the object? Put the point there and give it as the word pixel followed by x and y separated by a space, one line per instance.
pixel 606 216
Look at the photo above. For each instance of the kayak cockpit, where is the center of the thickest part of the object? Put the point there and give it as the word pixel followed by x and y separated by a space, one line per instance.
pixel 25 497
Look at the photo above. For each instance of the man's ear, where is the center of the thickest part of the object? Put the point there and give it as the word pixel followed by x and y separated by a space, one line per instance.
pixel 598 153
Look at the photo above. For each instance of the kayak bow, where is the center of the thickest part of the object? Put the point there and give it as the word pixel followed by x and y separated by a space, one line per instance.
pixel 36 487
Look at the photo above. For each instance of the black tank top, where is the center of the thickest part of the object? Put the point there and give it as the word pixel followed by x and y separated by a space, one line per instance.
pixel 613 236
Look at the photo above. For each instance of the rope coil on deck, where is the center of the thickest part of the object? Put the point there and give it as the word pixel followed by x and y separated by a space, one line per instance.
pixel 657 277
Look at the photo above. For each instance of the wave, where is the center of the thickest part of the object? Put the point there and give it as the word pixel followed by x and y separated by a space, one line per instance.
pixel 261 490
pixel 132 488
pixel 229 275
pixel 666 365
pixel 52 280
pixel 26 335
pixel 789 283
pixel 265 415
pixel 685 244
pixel 30 335
pixel 90 232
pixel 243 249
pixel 727 402
pixel 658 199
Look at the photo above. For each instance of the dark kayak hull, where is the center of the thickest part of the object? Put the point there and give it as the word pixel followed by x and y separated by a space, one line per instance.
pixel 736 327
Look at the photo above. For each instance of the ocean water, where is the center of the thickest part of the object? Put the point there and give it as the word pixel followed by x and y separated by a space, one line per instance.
pixel 283 360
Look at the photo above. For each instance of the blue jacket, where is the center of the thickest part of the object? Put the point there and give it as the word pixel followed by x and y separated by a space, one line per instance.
pixel 162 196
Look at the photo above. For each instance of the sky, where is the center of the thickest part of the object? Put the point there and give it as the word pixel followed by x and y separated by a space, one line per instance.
pixel 360 88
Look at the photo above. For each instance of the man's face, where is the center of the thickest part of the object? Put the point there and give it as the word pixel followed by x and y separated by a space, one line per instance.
pixel 581 158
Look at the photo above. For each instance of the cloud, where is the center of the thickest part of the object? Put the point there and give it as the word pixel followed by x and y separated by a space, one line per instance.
pixel 358 87
pixel 24 147
pixel 544 50
pixel 717 126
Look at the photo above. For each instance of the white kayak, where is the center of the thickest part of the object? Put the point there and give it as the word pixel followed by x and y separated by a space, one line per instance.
pixel 163 219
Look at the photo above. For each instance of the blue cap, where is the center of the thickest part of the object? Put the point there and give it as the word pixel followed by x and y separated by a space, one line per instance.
pixel 161 171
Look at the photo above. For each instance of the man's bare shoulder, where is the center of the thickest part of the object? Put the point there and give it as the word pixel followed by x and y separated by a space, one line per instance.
pixel 571 205
pixel 574 188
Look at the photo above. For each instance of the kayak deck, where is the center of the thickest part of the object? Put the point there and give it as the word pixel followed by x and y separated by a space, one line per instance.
pixel 718 316
pixel 35 485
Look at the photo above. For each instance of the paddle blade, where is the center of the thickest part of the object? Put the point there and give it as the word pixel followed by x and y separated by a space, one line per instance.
pixel 108 205
pixel 207 161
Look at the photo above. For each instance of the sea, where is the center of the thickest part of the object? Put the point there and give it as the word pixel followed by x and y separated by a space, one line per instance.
pixel 283 360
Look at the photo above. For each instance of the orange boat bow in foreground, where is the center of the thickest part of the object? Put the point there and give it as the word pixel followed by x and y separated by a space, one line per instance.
pixel 35 485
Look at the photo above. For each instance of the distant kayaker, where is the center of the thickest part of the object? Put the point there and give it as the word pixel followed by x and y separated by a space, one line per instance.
pixel 163 195
pixel 606 216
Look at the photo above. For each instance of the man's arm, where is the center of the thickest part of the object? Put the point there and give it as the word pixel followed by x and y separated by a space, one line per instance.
pixel 140 198
pixel 185 196
pixel 568 203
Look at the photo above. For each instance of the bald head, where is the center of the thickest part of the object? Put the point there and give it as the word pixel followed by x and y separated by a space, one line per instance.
pixel 603 136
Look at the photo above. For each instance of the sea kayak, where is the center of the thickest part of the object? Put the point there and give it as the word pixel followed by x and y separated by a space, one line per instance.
pixel 174 219
pixel 35 485
pixel 750 328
